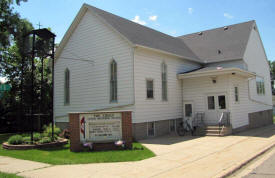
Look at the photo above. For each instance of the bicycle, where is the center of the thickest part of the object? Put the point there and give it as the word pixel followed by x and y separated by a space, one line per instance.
pixel 184 127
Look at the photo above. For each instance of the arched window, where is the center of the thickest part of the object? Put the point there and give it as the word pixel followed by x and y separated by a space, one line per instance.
pixel 113 81
pixel 164 81
pixel 67 87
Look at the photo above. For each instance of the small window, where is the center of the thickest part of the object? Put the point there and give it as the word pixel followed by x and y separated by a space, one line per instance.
pixel 222 102
pixel 260 86
pixel 164 81
pixel 150 89
pixel 113 81
pixel 211 102
pixel 236 91
pixel 67 87
pixel 188 110
pixel 151 128
pixel 172 124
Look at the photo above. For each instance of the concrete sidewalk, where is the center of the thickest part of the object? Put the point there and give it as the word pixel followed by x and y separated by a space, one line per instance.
pixel 176 157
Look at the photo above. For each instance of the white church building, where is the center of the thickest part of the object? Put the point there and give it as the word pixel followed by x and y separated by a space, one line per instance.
pixel 106 62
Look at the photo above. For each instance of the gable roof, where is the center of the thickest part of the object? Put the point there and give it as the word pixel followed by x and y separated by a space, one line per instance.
pixel 208 46
pixel 220 44
pixel 137 34
pixel 144 36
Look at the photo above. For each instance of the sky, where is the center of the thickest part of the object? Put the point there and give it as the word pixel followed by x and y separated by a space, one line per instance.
pixel 173 17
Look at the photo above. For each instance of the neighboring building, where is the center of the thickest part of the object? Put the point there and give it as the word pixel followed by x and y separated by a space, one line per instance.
pixel 105 62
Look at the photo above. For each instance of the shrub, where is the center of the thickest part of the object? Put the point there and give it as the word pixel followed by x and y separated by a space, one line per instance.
pixel 48 131
pixel 36 137
pixel 15 140
pixel 27 140
pixel 45 140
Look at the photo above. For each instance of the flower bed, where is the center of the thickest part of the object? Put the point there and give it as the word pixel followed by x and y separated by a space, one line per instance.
pixel 56 143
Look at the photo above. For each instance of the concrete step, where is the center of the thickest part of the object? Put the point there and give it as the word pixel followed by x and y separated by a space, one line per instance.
pixel 212 127
pixel 212 134
pixel 212 131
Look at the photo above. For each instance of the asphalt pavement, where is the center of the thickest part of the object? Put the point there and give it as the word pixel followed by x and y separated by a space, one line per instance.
pixel 264 170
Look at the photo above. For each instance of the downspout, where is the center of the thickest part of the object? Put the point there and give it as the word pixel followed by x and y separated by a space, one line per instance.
pixel 249 94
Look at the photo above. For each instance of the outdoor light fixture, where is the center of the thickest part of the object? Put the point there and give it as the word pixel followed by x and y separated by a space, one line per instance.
pixel 214 79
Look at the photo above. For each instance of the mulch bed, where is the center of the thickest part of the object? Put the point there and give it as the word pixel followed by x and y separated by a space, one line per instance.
pixel 57 143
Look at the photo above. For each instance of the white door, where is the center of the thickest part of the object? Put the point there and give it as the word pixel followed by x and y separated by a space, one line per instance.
pixel 215 105
pixel 188 112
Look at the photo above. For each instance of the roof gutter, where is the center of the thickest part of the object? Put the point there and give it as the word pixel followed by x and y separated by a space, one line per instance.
pixel 168 53
pixel 216 72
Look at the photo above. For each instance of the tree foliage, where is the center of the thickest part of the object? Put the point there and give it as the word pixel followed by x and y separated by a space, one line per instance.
pixel 272 74
pixel 15 64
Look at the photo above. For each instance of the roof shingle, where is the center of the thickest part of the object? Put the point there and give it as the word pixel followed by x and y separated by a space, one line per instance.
pixel 220 44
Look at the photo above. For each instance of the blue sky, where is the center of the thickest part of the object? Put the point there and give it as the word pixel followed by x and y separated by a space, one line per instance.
pixel 174 17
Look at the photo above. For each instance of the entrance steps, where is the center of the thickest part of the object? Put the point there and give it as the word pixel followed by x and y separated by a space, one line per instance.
pixel 215 130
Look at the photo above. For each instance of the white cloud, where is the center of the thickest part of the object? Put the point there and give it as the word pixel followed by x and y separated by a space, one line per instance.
pixel 153 17
pixel 190 10
pixel 229 16
pixel 173 32
pixel 138 20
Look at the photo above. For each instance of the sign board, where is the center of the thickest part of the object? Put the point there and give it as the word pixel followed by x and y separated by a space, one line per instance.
pixel 100 127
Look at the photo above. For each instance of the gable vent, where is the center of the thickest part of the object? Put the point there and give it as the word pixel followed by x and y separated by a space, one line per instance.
pixel 225 28
pixel 219 51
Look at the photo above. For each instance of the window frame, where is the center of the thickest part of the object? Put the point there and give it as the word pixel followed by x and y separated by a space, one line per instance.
pixel 153 128
pixel 225 104
pixel 67 96
pixel 260 85
pixel 236 95
pixel 164 82
pixel 174 123
pixel 146 88
pixel 113 82
pixel 214 104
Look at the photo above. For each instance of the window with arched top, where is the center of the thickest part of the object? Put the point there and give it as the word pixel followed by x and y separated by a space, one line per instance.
pixel 113 81
pixel 164 81
pixel 67 87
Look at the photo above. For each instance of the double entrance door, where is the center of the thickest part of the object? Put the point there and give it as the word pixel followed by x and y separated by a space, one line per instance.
pixel 215 105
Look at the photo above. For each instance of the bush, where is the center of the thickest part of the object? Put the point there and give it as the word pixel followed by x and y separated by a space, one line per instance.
pixel 27 140
pixel 36 137
pixel 45 140
pixel 48 131
pixel 15 140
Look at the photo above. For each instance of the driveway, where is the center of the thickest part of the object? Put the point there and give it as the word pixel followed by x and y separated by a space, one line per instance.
pixel 175 157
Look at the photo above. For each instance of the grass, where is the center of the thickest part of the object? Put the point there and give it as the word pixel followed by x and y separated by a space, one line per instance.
pixel 59 156
pixel 8 175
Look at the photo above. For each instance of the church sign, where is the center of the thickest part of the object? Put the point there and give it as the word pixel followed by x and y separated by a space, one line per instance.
pixel 100 127
pixel 107 130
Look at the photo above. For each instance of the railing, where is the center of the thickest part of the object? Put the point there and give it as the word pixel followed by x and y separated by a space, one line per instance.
pixel 224 120
pixel 199 119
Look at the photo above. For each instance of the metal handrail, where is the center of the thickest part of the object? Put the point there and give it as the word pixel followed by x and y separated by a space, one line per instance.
pixel 224 121
pixel 199 119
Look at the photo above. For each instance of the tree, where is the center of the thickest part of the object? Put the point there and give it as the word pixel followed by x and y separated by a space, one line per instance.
pixel 15 64
pixel 9 22
pixel 272 75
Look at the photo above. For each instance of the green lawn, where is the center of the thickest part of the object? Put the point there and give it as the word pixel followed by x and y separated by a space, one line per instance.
pixel 64 156
pixel 6 175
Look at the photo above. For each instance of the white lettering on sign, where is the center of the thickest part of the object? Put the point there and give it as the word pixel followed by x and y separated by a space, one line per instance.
pixel 100 127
